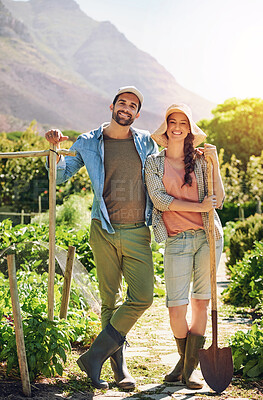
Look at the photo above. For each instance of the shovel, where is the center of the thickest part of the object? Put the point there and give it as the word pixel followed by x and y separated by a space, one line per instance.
pixel 216 364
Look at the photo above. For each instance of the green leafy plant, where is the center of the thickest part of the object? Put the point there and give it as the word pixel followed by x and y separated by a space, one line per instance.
pixel 157 254
pixel 47 342
pixel 46 345
pixel 247 350
pixel 65 236
pixel 245 287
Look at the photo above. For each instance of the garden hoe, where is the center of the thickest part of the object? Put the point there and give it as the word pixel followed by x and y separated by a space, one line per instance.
pixel 216 364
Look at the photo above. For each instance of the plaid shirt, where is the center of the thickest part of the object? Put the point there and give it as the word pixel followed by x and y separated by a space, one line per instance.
pixel 154 170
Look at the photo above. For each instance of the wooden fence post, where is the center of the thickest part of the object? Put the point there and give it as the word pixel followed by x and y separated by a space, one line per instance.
pixel 52 229
pixel 67 282
pixel 22 217
pixel 20 343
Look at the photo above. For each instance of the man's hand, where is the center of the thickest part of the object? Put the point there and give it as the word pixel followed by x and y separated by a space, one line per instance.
pixel 55 136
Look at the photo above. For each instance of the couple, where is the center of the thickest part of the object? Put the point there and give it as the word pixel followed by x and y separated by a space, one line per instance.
pixel 120 160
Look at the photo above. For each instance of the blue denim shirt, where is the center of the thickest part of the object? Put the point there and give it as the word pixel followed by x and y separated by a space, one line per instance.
pixel 90 152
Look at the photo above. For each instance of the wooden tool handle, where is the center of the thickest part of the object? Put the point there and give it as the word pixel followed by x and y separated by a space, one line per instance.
pixel 212 255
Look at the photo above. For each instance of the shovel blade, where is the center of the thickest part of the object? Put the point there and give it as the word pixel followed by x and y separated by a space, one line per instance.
pixel 217 367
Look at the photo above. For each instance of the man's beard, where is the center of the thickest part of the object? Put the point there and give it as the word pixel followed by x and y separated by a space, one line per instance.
pixel 122 121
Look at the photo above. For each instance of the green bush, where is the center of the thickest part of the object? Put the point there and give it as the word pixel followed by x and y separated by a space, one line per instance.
pixel 229 230
pixel 231 211
pixel 244 236
pixel 247 350
pixel 245 287
pixel 75 212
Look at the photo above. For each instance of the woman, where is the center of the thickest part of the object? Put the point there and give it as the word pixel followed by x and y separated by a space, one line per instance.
pixel 176 180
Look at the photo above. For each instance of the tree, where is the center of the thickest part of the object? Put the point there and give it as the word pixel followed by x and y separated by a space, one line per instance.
pixel 232 178
pixel 237 127
pixel 23 180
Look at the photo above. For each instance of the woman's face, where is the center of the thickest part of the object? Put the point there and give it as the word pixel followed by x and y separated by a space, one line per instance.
pixel 178 126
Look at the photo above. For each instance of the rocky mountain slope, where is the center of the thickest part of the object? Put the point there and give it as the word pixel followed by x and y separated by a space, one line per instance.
pixel 62 68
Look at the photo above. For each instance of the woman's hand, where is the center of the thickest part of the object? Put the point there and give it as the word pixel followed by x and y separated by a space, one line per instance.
pixel 208 203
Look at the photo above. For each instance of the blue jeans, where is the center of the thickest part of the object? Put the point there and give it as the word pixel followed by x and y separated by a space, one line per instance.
pixel 186 259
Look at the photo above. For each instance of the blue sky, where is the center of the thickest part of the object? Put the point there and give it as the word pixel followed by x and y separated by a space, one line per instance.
pixel 212 47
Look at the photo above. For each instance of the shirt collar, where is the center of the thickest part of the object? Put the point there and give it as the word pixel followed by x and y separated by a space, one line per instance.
pixel 161 154
pixel 99 132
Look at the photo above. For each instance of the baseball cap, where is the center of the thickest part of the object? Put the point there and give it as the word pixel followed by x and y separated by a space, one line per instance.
pixel 130 89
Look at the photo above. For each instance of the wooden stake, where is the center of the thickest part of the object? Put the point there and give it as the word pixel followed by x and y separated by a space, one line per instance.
pixel 67 282
pixel 52 229
pixel 20 344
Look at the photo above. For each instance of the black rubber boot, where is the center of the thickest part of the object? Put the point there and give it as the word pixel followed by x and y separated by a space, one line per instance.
pixel 191 360
pixel 122 376
pixel 107 342
pixel 176 374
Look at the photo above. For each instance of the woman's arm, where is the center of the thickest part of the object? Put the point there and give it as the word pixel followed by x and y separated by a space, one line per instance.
pixel 182 205
pixel 163 201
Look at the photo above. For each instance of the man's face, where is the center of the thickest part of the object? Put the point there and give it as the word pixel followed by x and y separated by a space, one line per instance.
pixel 125 110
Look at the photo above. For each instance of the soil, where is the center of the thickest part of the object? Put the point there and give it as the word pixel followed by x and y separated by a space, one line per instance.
pixel 12 390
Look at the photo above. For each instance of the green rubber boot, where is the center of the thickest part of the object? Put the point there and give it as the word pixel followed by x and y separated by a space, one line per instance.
pixel 191 360
pixel 176 374
pixel 122 376
pixel 106 343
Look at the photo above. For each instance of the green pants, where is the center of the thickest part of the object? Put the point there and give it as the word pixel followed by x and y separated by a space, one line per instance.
pixel 126 253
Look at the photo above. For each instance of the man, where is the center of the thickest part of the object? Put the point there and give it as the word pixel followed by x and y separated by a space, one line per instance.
pixel 114 155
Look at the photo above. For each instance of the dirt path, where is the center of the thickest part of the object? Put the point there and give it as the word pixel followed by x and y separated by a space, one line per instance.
pixel 158 346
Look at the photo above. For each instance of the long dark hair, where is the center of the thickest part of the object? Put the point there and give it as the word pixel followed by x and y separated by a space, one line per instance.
pixel 189 158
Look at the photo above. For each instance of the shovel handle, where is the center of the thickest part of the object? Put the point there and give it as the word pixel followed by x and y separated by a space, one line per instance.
pixel 212 254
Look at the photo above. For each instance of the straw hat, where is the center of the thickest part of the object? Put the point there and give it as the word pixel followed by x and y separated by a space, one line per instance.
pixel 160 134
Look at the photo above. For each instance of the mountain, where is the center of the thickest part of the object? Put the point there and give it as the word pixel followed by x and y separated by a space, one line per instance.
pixel 62 68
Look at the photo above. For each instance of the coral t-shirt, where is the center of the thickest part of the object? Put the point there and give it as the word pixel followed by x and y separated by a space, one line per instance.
pixel 179 221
